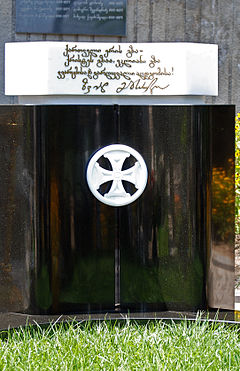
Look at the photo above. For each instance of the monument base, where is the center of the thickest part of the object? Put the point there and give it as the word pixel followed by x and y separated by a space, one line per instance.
pixel 14 320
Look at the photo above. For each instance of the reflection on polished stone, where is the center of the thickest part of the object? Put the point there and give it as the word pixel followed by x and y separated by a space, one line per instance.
pixel 221 277
pixel 63 251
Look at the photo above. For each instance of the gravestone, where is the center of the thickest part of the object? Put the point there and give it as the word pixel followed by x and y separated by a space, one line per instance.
pixel 119 180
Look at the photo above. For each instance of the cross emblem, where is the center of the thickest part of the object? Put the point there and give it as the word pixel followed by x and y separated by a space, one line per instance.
pixel 136 174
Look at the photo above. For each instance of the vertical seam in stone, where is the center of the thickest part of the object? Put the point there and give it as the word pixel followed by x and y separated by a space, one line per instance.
pixel 214 99
pixel 185 19
pixel 200 22
pixel 13 34
pixel 230 60
pixel 167 21
pixel 150 34
pixel 135 20
pixel 13 37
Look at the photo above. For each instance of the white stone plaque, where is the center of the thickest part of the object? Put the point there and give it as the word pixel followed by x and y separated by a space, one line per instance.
pixel 111 69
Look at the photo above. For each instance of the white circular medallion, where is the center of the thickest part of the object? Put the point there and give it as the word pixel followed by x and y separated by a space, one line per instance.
pixel 136 175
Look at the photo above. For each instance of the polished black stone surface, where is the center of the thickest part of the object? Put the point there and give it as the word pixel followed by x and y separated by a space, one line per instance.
pixel 76 258
pixel 162 250
pixel 17 210
pixel 62 251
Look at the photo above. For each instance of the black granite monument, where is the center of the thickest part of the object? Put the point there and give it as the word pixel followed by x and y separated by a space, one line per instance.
pixel 63 251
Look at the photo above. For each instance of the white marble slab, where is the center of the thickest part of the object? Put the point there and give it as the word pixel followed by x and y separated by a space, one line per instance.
pixel 110 69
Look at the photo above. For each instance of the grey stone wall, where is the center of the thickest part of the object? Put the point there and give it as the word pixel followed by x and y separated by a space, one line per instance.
pixel 207 21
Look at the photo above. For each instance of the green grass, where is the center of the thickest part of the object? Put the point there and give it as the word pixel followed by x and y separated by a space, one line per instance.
pixel 122 346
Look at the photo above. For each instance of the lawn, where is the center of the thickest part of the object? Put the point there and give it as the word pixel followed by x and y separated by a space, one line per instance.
pixel 156 345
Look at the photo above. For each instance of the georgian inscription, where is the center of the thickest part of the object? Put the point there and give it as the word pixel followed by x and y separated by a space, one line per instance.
pixel 71 16
pixel 115 69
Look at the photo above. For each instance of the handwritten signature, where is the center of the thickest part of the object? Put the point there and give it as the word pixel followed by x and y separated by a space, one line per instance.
pixel 141 85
